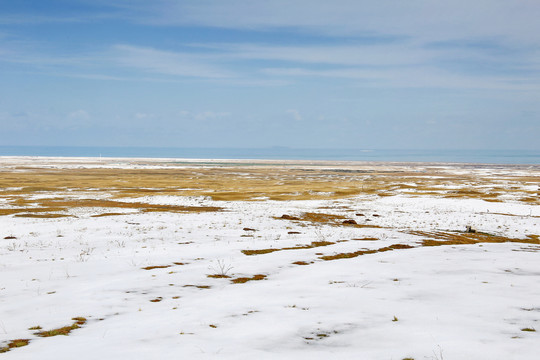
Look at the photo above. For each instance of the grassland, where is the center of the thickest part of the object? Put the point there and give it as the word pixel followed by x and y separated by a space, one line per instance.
pixel 43 192
pixel 194 257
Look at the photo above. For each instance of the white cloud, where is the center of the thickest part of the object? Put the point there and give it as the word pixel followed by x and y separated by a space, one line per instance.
pixel 399 48
pixel 378 54
pixel 17 19
pixel 82 115
pixel 295 114
pixel 415 77
pixel 203 115
pixel 143 116
pixel 428 19
pixel 166 62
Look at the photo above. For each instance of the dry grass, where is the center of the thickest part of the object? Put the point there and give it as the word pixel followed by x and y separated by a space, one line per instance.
pixel 438 238
pixel 43 216
pixel 79 321
pixel 261 251
pixel 314 244
pixel 199 286
pixel 144 207
pixel 244 182
pixel 156 267
pixel 109 214
pixel 29 210
pixel 321 218
pixel 324 218
pixel 242 280
pixel 14 344
pixel 49 208
pixel 365 252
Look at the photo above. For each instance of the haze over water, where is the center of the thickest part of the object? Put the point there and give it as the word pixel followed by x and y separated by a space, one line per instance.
pixel 284 153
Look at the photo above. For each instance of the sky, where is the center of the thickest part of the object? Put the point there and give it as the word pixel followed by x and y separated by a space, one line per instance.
pixel 386 74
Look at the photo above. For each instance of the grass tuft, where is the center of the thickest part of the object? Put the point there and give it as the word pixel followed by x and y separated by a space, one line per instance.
pixel 199 286
pixel 243 280
pixel 63 330
pixel 438 238
pixel 79 320
pixel 14 344
pixel 156 267
pixel 60 331
pixel 313 244
pixel 365 252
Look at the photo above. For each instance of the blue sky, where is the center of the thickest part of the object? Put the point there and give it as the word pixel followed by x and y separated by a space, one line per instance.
pixel 416 74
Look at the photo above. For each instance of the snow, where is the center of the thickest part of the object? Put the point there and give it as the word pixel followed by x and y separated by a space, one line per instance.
pixel 450 302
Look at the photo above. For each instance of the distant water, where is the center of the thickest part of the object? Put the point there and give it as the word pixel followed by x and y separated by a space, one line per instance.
pixel 283 153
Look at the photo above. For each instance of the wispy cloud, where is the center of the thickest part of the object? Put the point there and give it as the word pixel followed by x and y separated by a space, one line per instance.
pixel 166 62
pixel 416 77
pixel 79 115
pixel 374 55
pixel 39 17
pixel 490 43
pixel 203 115
pixel 417 18
pixel 295 114
pixel 117 62
pixel 394 65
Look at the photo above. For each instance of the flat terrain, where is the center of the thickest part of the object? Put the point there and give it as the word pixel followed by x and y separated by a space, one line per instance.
pixel 145 259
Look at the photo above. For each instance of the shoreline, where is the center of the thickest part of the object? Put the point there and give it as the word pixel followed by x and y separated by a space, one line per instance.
pixel 467 156
pixel 172 161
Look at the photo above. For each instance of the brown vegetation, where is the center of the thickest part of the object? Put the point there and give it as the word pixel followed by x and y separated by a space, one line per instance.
pixel 327 219
pixel 14 344
pixel 314 244
pixel 199 286
pixel 242 280
pixel 245 182
pixel 156 267
pixel 365 252
pixel 438 238
pixel 63 330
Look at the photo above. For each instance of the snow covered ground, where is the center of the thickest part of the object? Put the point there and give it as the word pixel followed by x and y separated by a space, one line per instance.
pixel 245 283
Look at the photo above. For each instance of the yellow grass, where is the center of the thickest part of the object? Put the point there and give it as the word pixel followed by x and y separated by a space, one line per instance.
pixel 156 267
pixel 14 344
pixel 438 238
pixel 323 218
pixel 79 321
pixel 273 182
pixel 66 189
pixel 242 280
pixel 314 244
pixel 365 252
